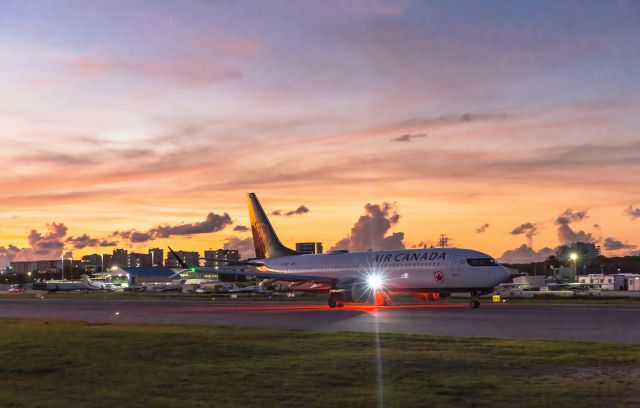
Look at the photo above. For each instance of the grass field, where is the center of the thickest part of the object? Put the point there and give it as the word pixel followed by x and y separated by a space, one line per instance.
pixel 56 364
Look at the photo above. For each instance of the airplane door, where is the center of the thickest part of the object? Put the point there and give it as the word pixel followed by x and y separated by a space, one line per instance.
pixel 456 267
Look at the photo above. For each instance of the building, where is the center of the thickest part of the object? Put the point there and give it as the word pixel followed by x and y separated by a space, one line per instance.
pixel 189 257
pixel 633 282
pixel 586 251
pixel 222 254
pixel 157 255
pixel 25 267
pixel 618 281
pixel 309 247
pixel 138 260
pixel 120 258
pixel 72 268
pixel 564 274
pixel 92 263
pixel 137 276
pixel 107 261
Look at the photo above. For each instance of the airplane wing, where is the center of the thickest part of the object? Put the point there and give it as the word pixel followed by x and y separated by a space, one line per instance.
pixel 276 276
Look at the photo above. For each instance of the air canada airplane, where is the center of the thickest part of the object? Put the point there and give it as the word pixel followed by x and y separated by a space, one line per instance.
pixel 361 277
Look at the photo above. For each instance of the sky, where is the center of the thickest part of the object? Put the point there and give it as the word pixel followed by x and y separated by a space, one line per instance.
pixel 510 126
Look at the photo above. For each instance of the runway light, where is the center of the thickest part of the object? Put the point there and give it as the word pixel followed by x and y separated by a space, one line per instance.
pixel 117 313
pixel 374 281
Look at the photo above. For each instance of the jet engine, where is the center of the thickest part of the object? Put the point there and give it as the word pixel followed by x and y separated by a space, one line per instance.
pixel 350 290
pixel 357 290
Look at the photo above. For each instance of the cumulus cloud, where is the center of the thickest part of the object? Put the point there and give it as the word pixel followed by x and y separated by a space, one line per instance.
pixel 633 212
pixel 48 245
pixel 212 223
pixel 8 254
pixel 566 234
pixel 482 228
pixel 84 241
pixel 42 245
pixel 240 228
pixel 370 230
pixel 409 137
pixel 298 211
pixel 612 244
pixel 244 245
pixel 569 216
pixel 528 229
pixel 525 254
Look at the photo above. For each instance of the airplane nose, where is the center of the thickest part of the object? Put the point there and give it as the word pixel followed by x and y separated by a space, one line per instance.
pixel 503 274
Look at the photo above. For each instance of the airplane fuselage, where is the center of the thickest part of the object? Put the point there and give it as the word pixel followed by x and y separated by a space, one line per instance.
pixel 435 269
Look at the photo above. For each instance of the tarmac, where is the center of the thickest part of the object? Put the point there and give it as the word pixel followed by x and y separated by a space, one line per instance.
pixel 616 323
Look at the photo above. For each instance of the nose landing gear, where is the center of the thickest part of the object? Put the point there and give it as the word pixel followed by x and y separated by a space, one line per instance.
pixel 474 303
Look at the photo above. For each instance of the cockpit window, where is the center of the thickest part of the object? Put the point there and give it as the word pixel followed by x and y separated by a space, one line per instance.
pixel 482 262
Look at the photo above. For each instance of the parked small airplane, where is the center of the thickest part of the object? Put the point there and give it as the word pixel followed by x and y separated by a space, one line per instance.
pixel 69 286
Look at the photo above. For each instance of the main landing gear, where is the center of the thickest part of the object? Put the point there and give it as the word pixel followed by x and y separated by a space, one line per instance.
pixel 474 303
pixel 334 302
pixel 381 298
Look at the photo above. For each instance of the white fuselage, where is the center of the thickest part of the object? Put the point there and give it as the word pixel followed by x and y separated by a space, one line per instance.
pixel 435 269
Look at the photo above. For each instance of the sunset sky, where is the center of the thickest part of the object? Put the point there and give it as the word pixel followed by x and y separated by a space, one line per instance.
pixel 141 123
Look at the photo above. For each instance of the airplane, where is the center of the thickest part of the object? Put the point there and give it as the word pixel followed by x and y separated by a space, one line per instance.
pixel 85 284
pixel 359 277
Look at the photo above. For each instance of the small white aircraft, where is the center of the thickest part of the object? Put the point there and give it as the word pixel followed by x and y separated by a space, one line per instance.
pixel 69 286
pixel 359 277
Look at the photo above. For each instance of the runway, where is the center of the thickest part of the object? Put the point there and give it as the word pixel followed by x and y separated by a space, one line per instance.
pixel 574 322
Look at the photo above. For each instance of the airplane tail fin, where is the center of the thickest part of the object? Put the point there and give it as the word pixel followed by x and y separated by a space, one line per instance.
pixel 265 239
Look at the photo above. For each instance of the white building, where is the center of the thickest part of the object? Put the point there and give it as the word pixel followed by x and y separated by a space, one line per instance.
pixel 633 282
pixel 618 281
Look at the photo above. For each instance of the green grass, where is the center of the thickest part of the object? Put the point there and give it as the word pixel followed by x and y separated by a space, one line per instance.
pixel 58 364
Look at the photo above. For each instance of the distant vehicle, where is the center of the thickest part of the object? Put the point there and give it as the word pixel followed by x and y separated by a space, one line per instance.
pixel 359 277
pixel 202 291
pixel 16 289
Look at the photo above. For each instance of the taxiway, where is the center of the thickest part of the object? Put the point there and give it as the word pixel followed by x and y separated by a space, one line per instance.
pixel 573 322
